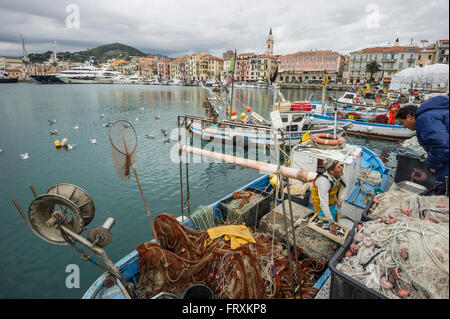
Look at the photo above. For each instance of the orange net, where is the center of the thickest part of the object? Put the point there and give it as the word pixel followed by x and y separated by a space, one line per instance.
pixel 185 257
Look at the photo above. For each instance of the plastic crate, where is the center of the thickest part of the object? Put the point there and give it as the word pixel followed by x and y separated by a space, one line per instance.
pixel 256 212
pixel 304 201
pixel 343 286
pixel 412 168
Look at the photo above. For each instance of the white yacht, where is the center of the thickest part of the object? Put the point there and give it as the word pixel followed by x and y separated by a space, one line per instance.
pixel 87 74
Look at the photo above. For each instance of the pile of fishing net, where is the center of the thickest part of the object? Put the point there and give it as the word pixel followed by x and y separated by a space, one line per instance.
pixel 432 207
pixel 256 269
pixel 237 209
pixel 404 253
pixel 413 144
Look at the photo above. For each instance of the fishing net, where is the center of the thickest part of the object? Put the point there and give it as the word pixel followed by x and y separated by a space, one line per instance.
pixel 204 218
pixel 123 145
pixel 185 257
pixel 370 177
pixel 237 209
pixel 416 206
pixel 404 257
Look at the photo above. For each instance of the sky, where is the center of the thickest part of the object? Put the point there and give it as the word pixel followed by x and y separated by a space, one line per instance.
pixel 177 27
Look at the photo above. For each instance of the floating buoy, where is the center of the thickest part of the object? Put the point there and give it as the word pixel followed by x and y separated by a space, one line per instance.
pixel 233 112
pixel 243 115
pixel 57 143
pixel 234 117
pixel 249 109
pixel 64 142
pixel 274 181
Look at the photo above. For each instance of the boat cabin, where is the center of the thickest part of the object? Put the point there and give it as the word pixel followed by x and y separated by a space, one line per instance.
pixel 351 157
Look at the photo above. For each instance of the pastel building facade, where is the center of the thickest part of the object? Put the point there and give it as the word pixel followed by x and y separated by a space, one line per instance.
pixel 392 60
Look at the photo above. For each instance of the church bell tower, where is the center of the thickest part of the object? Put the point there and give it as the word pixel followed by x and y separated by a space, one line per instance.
pixel 269 43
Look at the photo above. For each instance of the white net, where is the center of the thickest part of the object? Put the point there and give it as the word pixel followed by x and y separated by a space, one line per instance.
pixel 404 252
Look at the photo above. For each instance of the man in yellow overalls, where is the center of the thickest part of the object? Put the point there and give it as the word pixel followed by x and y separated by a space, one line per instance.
pixel 328 192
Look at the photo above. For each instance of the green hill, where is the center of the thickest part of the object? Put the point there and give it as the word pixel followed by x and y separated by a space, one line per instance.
pixel 99 54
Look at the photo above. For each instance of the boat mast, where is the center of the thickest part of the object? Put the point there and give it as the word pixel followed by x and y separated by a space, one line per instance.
pixel 26 64
pixel 232 84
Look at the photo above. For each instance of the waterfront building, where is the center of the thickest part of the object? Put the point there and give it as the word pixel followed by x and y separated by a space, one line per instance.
pixel 163 68
pixel 426 56
pixel 215 67
pixel 10 63
pixel 228 55
pixel 179 67
pixel 441 51
pixel 392 60
pixel 241 71
pixel 311 66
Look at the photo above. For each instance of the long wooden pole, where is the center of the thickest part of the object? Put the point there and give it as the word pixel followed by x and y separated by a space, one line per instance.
pixel 299 174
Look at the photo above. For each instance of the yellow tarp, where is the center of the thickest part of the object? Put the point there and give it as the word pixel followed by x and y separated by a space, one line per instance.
pixel 237 234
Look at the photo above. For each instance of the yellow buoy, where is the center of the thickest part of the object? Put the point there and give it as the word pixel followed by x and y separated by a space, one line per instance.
pixel 57 143
pixel 274 181
pixel 243 115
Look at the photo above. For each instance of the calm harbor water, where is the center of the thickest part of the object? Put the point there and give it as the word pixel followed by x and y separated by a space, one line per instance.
pixel 32 268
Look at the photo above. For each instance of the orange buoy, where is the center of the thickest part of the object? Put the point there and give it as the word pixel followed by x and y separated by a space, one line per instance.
pixel 233 112
pixel 327 139
pixel 249 109
pixel 355 100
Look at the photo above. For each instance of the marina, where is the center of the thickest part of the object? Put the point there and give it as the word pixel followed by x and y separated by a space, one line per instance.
pixel 79 164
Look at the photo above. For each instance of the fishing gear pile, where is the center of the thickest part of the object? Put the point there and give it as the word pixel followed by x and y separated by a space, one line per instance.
pixel 233 265
pixel 404 252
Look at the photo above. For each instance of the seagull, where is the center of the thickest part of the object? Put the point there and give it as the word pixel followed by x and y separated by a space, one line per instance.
pixel 71 146
pixel 50 122
pixel 103 115
pixel 54 132
pixel 93 140
pixel 166 140
pixel 107 124
pixel 24 156
pixel 75 127
pixel 142 108
pixel 149 136
pixel 157 117
pixel 164 131
pixel 137 119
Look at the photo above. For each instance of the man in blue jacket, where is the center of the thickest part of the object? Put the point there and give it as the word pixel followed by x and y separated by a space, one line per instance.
pixel 430 121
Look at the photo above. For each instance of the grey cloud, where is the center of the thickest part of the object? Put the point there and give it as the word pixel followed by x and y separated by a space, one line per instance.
pixel 176 27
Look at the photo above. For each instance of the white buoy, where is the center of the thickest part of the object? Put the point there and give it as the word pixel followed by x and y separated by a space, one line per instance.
pixel 64 142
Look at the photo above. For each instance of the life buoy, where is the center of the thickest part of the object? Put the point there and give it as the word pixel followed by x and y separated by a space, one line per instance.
pixel 327 139
pixel 355 100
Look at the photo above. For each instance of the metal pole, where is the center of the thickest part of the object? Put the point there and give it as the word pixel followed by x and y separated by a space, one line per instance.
pixel 291 215
pixel 288 242
pixel 187 178
pixel 180 169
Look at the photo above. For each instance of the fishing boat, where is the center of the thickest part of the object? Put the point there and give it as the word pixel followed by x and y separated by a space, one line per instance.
pixel 252 135
pixel 356 161
pixel 120 279
pixel 363 127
